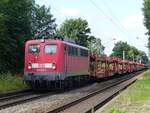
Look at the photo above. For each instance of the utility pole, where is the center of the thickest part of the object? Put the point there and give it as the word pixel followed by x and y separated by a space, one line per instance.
pixel 140 60
pixel 123 55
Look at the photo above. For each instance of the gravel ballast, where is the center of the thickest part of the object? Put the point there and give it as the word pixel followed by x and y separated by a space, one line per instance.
pixel 51 102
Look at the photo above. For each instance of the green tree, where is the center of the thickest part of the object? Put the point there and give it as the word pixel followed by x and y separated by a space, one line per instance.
pixel 76 29
pixel 146 11
pixel 6 46
pixel 95 45
pixel 15 24
pixel 19 28
pixel 143 57
pixel 41 17
pixel 19 20
pixel 133 53
pixel 119 48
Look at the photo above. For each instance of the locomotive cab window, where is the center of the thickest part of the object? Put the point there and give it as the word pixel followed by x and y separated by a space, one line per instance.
pixel 50 49
pixel 34 48
pixel 84 53
pixel 72 51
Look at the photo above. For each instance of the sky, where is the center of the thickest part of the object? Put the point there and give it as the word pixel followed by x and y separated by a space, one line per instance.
pixel 109 20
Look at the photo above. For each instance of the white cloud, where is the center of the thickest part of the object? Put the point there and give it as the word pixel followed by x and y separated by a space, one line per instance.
pixel 134 26
pixel 134 23
pixel 71 12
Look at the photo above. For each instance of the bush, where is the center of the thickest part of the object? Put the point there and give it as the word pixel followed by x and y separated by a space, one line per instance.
pixel 10 82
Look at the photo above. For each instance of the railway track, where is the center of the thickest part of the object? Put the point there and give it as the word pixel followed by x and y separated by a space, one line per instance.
pixel 22 96
pixel 14 97
pixel 11 93
pixel 19 97
pixel 96 99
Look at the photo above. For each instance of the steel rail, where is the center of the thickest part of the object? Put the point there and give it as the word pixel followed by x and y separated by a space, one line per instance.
pixel 23 96
pixel 22 99
pixel 73 103
pixel 98 106
pixel 10 93
pixel 14 96
pixel 102 103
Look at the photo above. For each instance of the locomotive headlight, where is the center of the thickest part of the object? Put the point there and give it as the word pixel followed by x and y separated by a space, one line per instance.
pixel 54 66
pixel 29 67
pixel 42 40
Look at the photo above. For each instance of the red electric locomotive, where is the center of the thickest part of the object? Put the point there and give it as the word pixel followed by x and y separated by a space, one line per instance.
pixel 56 63
pixel 48 60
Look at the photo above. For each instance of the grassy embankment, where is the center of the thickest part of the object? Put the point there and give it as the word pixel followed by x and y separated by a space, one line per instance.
pixel 9 82
pixel 136 99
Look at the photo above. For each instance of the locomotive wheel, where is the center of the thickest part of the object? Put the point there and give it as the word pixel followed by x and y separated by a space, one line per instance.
pixel 68 83
pixel 59 84
pixel 79 81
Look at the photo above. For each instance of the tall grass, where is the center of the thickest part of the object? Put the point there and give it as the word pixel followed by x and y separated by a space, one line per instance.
pixel 135 99
pixel 116 110
pixel 10 82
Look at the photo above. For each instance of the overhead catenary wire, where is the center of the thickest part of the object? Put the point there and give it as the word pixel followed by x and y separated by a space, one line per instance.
pixel 111 19
pixel 114 16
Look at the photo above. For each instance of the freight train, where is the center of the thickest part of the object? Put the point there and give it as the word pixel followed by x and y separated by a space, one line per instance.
pixel 53 62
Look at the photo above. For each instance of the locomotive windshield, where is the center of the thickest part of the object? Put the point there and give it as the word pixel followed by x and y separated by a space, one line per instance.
pixel 50 49
pixel 35 48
